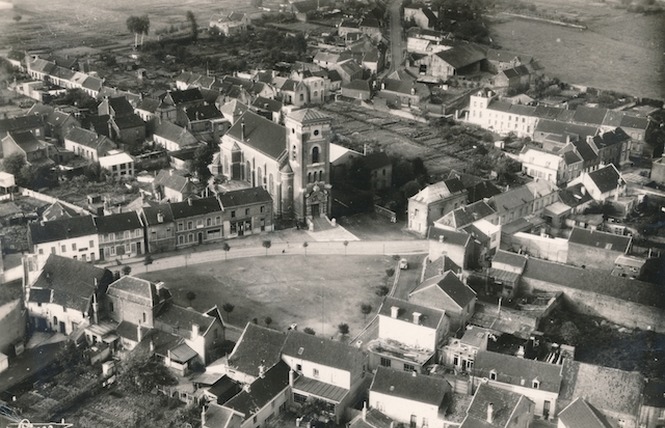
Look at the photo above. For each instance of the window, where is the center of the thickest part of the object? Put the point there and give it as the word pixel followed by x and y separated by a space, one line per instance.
pixel 409 368
pixel 180 227
pixel 208 222
pixel 456 360
pixel 385 362
pixel 246 211
pixel 492 375
pixel 91 244
pixel 189 225
pixel 299 367
pixel 262 209
pixel 316 131
pixel 233 214
pixel 315 153
pixel 41 251
pixel 111 308
pixel 218 220
pixel 315 373
pixel 536 384
pixel 52 250
pixel 144 317
pixel 63 248
pixel 74 246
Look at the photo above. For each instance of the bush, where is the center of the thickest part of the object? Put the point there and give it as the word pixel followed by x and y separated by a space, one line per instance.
pixel 382 290
pixel 390 272
pixel 309 331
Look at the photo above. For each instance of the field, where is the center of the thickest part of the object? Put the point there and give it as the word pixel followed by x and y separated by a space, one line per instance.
pixel 286 289
pixel 620 51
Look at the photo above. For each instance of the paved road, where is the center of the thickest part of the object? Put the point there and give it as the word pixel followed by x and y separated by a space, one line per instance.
pixel 397 45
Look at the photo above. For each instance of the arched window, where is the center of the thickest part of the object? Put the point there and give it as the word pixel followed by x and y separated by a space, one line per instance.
pixel 259 177
pixel 294 152
pixel 271 184
pixel 316 94
pixel 315 154
pixel 320 175
pixel 315 176
pixel 309 177
pixel 248 172
pixel 302 97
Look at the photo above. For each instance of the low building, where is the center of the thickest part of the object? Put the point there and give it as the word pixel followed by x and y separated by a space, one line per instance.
pixel 159 228
pixel 197 221
pixel 495 407
pixel 460 354
pixel 357 89
pixel 458 246
pixel 448 293
pixel 595 249
pixel 433 202
pixel 74 237
pixel 118 164
pixel 258 349
pixel 506 272
pixel 173 137
pixel 247 211
pixel 120 236
pixel 231 24
pixel 603 184
pixel 172 186
pixel 26 145
pixel 527 200
pixel 410 398
pixel 409 335
pixel 88 144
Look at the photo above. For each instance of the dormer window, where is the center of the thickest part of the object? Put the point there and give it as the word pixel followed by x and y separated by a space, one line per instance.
pixel 536 384
pixel 301 350
pixel 493 375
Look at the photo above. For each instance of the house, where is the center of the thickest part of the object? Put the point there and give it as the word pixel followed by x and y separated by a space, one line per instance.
pixel 120 236
pixel 486 236
pixel 595 249
pixel 205 121
pixel 448 293
pixel 500 59
pixel 371 418
pixel 380 168
pixel 119 164
pixel 403 93
pixel 409 335
pixel 65 296
pixel 506 272
pixel 115 107
pixel 173 137
pixel 526 200
pixel 92 86
pixel 159 228
pixel 134 303
pixel 294 156
pixel 74 237
pixel 129 130
pixel 88 144
pixel 349 70
pixel 198 221
pixel 629 266
pixel 652 408
pixel 554 134
pixel 233 110
pixel 463 216
pixel 581 414
pixel 58 123
pixel 262 400
pixel 460 354
pixel 258 349
pixel 603 184
pixel 174 100
pixel 146 108
pixel 458 246
pixel 268 108
pixel 477 188
pixel 357 89
pixel 33 123
pixel 26 145
pixel 247 211
pixel 615 393
pixel 231 24
pixel 460 60
pixel 513 80
pixel 496 407
pixel 330 371
pixel 410 398
pixel 433 202
pixel 539 381
pixel 172 186
pixel 613 147
pixel 422 16
pixel 557 168
pixel 58 210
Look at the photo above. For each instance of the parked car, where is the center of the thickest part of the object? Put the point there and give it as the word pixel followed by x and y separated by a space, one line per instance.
pixel 403 264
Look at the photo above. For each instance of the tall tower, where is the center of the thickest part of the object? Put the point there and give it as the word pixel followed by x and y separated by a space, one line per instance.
pixel 308 146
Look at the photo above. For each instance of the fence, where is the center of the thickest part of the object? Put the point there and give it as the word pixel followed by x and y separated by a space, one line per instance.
pixel 51 200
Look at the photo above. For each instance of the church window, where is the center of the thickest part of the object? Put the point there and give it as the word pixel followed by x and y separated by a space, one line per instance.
pixel 270 184
pixel 316 132
pixel 309 177
pixel 294 152
pixel 320 175
pixel 302 97
pixel 315 177
pixel 315 152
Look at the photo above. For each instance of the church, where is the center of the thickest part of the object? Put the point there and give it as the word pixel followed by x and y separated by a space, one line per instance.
pixel 291 162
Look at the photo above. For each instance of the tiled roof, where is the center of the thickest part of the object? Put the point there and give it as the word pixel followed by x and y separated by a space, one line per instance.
pixel 203 113
pixel 128 121
pixel 118 222
pixel 151 214
pixel 449 237
pixel 520 70
pixel 501 55
pixel 93 83
pixel 430 390
pixel 186 95
pixel 180 320
pixel 589 115
pixel 607 178
pixel 172 132
pixel 628 121
pixel 438 191
pixel 120 106
pixel 322 351
pixel 309 115
pixel 66 228
pixel 26 141
pixel 357 85
pixel 194 207
pixel 504 403
pixel 580 414
pixel 149 104
pixel 654 393
pixel 511 259
pixel 449 284
pixel 262 103
pixel 87 138
pixel 518 371
pixel 234 108
pixel 570 157
pixel 218 416
pixel 597 239
pixel 462 55
pixel 466 215
pixel 128 330
pixel 257 346
pixel 242 197
pixel 564 128
pixel 429 317
pixel 585 150
pixel 173 180
pixel 58 210
pixel 605 388
pixel 135 290
pixel 551 113
pixel 57 118
pixel 260 133
pixel 261 391
pixel 610 138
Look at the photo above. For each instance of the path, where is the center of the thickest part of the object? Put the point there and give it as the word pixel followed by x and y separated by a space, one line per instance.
pixel 397 47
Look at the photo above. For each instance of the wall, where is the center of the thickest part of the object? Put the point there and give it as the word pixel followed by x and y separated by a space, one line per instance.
pixel 13 320
pixel 51 199
pixel 327 374
pixel 124 310
pixel 407 333
pixel 599 258
pixel 48 311
pixel 555 249
pixel 629 314
pixel 401 409
pixel 87 248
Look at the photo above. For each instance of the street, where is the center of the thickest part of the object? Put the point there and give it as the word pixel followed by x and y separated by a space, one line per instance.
pixel 397 47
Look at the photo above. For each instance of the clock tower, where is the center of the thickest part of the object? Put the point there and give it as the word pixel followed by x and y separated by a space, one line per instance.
pixel 308 148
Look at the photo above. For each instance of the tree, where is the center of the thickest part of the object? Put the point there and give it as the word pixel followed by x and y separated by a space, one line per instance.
pixel 190 296
pixel 13 164
pixel 193 25
pixel 228 308
pixel 139 26
pixel 266 245
pixel 93 172
pixel 140 373
pixel 144 26
pixel 202 158
pixel 343 329
pixel 309 330
pixel 226 247
pixel 305 245
pixel 268 321
pixel 126 270
pixel 366 309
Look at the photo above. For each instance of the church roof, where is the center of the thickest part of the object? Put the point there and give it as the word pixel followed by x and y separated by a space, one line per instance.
pixel 308 115
pixel 260 133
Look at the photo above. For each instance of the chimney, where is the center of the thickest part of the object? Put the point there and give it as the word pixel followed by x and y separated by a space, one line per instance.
pixel 203 417
pixel 171 171
pixel 160 217
pixel 490 413
pixel 292 376
pixel 520 352
pixel 583 190
pixel 195 331
pixel 440 238
pixel 394 311
pixel 139 333
pixel 242 130
pixel 189 201
pixel 95 306
pixel 416 318
pixel 364 410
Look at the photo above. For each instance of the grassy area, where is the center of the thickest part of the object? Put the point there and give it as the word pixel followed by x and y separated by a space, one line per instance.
pixel 286 289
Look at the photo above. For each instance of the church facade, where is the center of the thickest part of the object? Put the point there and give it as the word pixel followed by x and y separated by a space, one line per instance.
pixel 292 162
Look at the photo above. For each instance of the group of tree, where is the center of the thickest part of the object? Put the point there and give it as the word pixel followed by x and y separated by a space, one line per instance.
pixel 194 27
pixel 464 18
pixel 139 26
pixel 202 158
pixel 142 374
pixel 33 176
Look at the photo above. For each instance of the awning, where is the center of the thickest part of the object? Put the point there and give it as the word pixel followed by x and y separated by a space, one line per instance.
pixel 318 389
pixel 504 276
pixel 182 353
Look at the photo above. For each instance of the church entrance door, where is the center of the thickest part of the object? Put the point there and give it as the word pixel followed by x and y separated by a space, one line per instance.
pixel 316 211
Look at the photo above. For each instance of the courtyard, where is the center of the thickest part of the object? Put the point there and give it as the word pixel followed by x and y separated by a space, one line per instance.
pixel 317 292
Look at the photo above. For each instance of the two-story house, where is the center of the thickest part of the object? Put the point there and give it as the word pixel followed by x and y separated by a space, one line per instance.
pixel 409 335
pixel 493 407
pixel 448 293
pixel 120 236
pixel 330 371
pixel 33 123
pixel 539 381
pixel 433 202
pixel 197 221
pixel 258 349
pixel 173 186
pixel 26 145
pixel 66 295
pixel 74 237
pixel 247 211
pixel 459 246
pixel 410 398
pixel 159 228
pixel 88 144
pixel 602 184
pixel 557 168
pixel 527 200
pixel 460 354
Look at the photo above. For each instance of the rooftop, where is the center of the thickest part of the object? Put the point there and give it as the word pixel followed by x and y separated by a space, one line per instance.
pixel 65 228
pixel 261 391
pixel 605 240
pixel 242 197
pixel 118 222
pixel 504 404
pixel 449 284
pixel 580 414
pixel 410 386
pixel 322 351
pixel 429 317
pixel 259 133
pixel 257 346
pixel 518 371
pixel 194 207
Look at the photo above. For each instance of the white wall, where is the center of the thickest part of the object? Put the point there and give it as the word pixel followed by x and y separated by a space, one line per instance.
pixel 401 409
pixel 329 375
pixel 82 243
pixel 49 310
pixel 407 333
